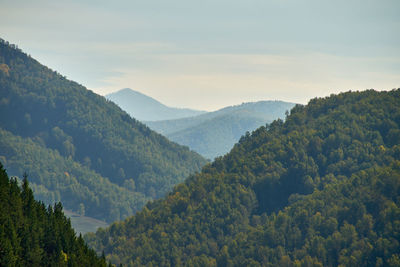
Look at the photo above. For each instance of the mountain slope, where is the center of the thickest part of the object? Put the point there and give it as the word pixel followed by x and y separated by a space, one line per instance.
pixel 320 189
pixel 86 130
pixel 214 134
pixel 55 178
pixel 33 235
pixel 145 108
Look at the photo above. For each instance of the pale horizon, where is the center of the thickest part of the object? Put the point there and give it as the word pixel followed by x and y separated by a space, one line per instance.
pixel 213 54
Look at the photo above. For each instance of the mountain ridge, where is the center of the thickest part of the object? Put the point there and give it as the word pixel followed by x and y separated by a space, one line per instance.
pixel 46 116
pixel 214 133
pixel 146 108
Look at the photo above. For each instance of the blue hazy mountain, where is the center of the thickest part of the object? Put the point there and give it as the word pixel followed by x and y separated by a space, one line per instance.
pixel 145 108
pixel 214 133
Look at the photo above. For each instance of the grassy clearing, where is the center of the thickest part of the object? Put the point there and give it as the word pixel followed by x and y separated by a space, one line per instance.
pixel 83 224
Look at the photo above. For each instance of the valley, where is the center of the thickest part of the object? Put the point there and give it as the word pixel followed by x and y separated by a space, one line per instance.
pixel 297 164
pixel 211 134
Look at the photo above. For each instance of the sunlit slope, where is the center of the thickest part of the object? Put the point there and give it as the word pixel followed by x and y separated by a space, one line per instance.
pixel 320 189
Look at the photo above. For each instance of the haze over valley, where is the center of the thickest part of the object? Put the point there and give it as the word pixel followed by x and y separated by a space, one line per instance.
pixel 211 134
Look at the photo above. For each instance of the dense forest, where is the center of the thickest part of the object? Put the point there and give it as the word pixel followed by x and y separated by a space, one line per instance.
pixel 32 234
pixel 78 145
pixel 214 133
pixel 318 189
pixel 53 176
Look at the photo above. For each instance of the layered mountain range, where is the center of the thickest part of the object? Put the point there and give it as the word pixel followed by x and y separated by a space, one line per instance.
pixel 211 134
pixel 318 189
pixel 145 108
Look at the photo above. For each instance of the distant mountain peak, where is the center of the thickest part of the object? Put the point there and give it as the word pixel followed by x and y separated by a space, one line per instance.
pixel 146 108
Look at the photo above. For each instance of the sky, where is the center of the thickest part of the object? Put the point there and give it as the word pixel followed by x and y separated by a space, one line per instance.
pixel 210 54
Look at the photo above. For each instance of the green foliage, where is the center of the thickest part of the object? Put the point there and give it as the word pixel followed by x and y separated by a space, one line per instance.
pixel 54 178
pixel 320 189
pixel 86 130
pixel 33 235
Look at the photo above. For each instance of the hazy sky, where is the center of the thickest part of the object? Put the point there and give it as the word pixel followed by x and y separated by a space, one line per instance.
pixel 210 54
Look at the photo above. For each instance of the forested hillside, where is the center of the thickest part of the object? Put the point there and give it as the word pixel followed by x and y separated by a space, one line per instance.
pixel 52 176
pixel 33 235
pixel 214 134
pixel 320 189
pixel 84 144
pixel 145 108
